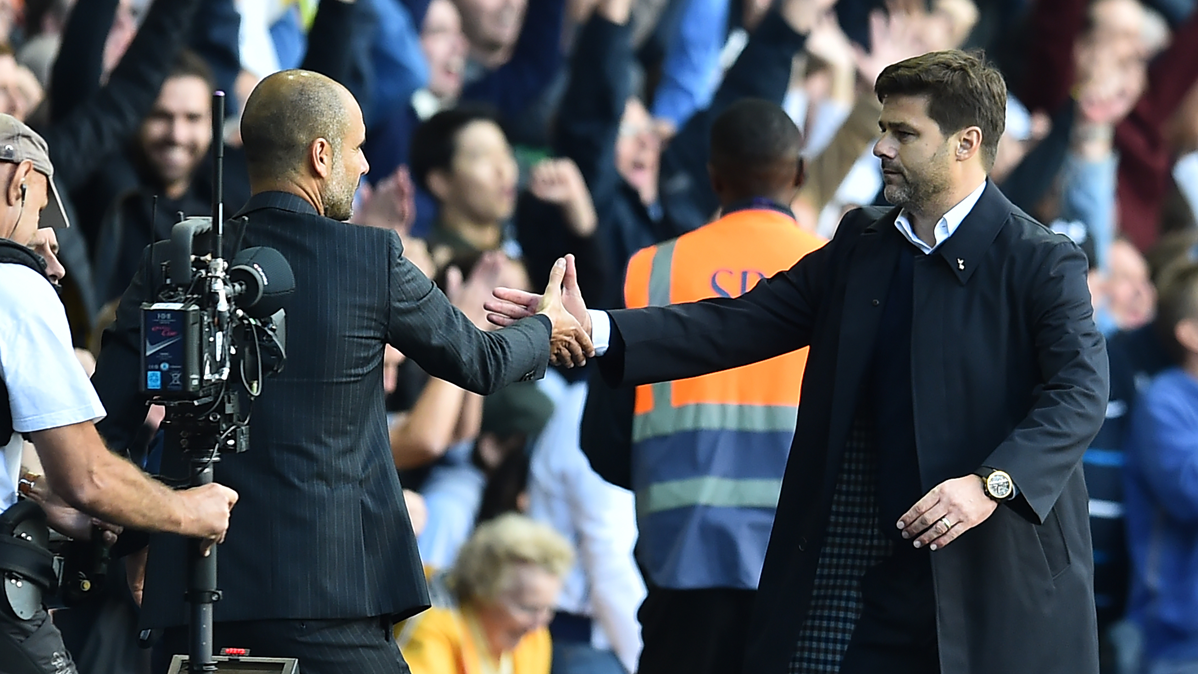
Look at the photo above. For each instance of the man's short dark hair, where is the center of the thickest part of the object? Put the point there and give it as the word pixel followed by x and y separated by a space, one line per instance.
pixel 1178 302
pixel 434 143
pixel 749 140
pixel 962 89
pixel 191 64
pixel 284 115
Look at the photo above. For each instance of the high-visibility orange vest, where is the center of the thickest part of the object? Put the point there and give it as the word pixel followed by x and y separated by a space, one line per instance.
pixel 709 452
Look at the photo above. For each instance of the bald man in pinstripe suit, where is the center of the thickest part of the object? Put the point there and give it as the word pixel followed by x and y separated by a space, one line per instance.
pixel 320 559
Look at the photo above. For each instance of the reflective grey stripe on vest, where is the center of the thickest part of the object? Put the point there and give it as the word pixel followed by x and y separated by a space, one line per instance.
pixel 711 417
pixel 717 492
pixel 660 274
pixel 666 420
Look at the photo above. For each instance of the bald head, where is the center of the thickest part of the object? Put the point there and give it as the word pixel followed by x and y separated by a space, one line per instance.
pixel 285 114
pixel 755 152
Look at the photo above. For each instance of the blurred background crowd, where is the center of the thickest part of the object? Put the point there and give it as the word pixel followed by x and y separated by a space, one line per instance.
pixel 505 133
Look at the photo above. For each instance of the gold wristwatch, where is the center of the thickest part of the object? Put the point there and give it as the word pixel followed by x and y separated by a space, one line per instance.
pixel 997 484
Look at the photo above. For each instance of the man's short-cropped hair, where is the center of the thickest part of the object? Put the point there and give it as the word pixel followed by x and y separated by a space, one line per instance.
pixel 434 142
pixel 962 89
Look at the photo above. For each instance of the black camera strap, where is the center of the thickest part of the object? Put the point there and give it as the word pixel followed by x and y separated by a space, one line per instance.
pixel 16 660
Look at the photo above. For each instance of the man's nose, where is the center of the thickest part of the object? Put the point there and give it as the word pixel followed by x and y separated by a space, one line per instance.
pixel 882 148
pixel 54 269
pixel 178 132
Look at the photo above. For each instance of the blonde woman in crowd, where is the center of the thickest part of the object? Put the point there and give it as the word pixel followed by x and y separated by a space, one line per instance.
pixel 491 610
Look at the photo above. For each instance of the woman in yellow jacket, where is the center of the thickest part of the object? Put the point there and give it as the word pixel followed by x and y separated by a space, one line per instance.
pixel 491 610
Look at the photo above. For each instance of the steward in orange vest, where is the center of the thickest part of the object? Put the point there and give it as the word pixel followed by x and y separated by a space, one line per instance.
pixel 708 453
pixel 705 456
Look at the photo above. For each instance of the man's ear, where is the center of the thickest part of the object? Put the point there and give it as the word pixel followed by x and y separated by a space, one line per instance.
pixel 800 173
pixel 969 142
pixel 320 157
pixel 20 177
pixel 438 184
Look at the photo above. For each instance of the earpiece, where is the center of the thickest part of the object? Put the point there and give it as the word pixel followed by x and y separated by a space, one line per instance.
pixel 23 190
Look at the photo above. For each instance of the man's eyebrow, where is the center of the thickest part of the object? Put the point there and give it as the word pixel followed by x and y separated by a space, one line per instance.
pixel 898 126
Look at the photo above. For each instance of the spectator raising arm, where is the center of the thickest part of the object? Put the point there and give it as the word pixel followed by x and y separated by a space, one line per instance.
pixel 761 71
pixel 83 136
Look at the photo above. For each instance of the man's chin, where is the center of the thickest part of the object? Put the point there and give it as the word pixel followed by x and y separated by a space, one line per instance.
pixel 894 196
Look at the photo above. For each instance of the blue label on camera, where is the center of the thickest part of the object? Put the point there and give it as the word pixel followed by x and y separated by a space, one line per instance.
pixel 154 379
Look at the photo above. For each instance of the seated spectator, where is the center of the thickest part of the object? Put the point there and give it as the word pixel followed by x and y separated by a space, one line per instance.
pixel 1126 289
pixel 490 611
pixel 463 159
pixel 1162 500
pixel 454 489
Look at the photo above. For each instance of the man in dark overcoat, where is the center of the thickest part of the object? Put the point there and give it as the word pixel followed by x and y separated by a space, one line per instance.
pixel 933 516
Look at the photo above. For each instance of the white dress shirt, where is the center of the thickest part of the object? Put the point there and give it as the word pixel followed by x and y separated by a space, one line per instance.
pixel 947 224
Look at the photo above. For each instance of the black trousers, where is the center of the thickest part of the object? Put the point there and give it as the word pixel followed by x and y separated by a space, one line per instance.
pixel 896 632
pixel 694 631
pixel 360 645
pixel 33 645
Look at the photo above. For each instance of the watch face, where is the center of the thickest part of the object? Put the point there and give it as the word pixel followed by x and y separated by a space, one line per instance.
pixel 999 485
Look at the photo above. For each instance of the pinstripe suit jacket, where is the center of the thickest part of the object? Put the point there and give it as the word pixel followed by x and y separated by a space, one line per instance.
pixel 321 530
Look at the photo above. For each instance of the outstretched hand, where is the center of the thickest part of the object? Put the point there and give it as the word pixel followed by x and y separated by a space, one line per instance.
pixel 562 302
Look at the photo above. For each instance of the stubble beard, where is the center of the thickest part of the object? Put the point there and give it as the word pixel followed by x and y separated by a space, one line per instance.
pixel 921 192
pixel 339 201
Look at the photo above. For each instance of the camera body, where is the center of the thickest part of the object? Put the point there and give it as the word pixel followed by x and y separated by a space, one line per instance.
pixel 179 347
pixel 212 330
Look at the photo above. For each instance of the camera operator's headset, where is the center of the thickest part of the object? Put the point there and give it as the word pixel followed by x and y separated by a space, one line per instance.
pixel 24 194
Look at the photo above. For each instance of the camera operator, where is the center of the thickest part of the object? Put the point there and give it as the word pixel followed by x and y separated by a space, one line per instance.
pixel 320 559
pixel 47 396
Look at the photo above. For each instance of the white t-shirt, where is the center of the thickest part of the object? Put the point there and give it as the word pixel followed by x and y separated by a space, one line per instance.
pixel 47 387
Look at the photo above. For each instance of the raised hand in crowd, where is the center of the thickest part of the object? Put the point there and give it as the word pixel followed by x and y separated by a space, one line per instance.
pixel 559 182
pixel 1111 76
pixel 893 37
pixel 470 294
pixel 391 204
pixel 828 43
pixel 803 15
pixel 570 343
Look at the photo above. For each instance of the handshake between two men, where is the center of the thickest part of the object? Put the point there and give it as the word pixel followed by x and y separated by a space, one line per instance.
pixel 570 340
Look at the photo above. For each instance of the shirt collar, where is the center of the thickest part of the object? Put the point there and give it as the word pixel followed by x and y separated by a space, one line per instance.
pixel 285 201
pixel 947 225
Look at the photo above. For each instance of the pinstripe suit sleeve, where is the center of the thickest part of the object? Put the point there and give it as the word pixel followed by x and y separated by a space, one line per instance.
pixel 427 328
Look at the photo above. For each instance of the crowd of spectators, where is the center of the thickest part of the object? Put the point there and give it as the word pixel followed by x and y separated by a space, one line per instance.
pixel 503 134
